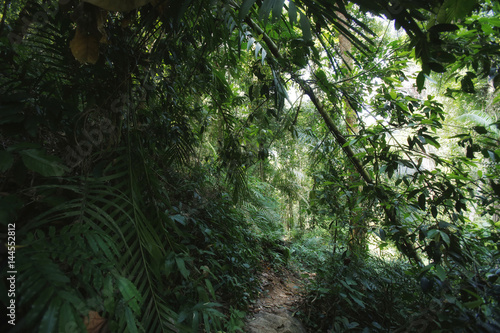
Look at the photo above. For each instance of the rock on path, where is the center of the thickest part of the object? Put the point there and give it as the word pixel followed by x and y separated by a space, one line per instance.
pixel 271 312
pixel 280 322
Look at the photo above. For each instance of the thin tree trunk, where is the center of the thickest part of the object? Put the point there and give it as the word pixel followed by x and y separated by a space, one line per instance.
pixel 358 227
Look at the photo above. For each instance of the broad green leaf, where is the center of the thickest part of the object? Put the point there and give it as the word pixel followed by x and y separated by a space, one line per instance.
pixel 434 211
pixel 265 9
pixel 453 10
pixel 130 294
pixel 441 274
pixel 306 27
pixel 292 12
pixel 46 165
pixel 420 81
pixel 480 129
pixel 245 8
pixel 436 67
pixel 431 140
pixel 359 302
pixel 277 9
pixel 473 304
pixel 432 233
pixel 179 218
pixel 487 28
pixel 182 267
pixel 445 237
pixel 421 201
pixel 444 27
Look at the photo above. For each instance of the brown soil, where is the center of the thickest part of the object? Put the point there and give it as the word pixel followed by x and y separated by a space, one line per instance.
pixel 281 291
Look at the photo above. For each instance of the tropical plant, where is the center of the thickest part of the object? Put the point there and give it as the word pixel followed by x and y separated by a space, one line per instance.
pixel 129 130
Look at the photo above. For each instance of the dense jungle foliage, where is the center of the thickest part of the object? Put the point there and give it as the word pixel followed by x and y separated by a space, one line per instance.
pixel 156 155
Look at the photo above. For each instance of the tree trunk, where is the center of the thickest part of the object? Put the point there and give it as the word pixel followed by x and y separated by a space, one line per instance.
pixel 358 227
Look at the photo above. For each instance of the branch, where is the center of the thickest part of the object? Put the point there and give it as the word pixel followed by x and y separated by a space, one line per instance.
pixel 317 103
pixel 404 244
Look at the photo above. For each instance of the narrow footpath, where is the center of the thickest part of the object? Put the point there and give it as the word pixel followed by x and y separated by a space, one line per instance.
pixel 280 297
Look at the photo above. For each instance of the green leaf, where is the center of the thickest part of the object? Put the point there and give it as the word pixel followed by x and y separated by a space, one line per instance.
pixel 444 27
pixel 480 129
pixel 131 322
pixel 436 67
pixel 245 8
pixel 278 9
pixel 306 27
pixel 441 274
pixel 434 211
pixel 445 237
pixel 46 165
pixel 265 9
pixel 263 56
pixel 453 10
pixel 421 201
pixel 445 57
pixel 210 287
pixel 474 304
pixel 487 29
pixel 67 321
pixel 420 81
pixel 430 140
pixel 49 319
pixel 292 12
pixel 432 233
pixel 130 294
pixel 179 218
pixel 182 267
pixel 359 302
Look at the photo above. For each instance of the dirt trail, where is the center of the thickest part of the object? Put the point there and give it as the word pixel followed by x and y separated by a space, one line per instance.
pixel 279 300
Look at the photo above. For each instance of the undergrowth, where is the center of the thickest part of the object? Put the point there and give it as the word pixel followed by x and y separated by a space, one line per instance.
pixel 371 294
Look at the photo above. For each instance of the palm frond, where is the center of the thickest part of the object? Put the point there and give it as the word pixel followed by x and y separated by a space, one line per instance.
pixel 480 118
